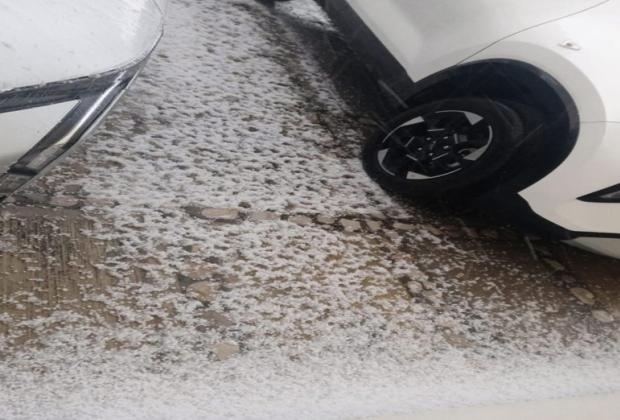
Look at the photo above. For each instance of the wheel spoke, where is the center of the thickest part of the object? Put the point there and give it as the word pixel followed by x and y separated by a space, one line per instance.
pixel 480 129
pixel 393 161
pixel 471 144
pixel 397 142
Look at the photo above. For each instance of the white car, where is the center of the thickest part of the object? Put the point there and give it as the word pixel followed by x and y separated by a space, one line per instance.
pixel 63 65
pixel 519 99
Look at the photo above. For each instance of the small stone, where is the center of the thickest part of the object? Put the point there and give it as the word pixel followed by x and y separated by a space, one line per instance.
pixel 198 272
pixel 213 260
pixel 470 232
pixel 426 283
pixel 217 319
pixel 232 279
pixel 584 295
pixel 156 322
pixel 447 323
pixel 301 220
pixel 325 220
pixel 554 265
pixel 377 215
pixel 432 230
pixel 456 340
pixel 264 216
pixel 415 287
pixel 568 279
pixel 100 202
pixel 140 273
pixel 603 316
pixel 245 205
pixel 169 307
pixel 64 201
pixel 373 225
pixel 404 226
pixel 350 225
pixel 201 291
pixel 225 350
pixel 220 214
pixel 150 261
pixel 114 344
pixel 73 189
pixel 394 236
pixel 433 296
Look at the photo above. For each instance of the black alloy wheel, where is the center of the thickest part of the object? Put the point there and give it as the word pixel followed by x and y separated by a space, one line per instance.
pixel 443 146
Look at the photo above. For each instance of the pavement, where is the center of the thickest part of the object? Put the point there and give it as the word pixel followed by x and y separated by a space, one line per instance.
pixel 601 407
pixel 215 250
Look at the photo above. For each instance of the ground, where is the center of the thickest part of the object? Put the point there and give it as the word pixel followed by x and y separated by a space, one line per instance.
pixel 215 250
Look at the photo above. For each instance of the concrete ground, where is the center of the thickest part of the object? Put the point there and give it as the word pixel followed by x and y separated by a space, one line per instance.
pixel 601 407
pixel 216 251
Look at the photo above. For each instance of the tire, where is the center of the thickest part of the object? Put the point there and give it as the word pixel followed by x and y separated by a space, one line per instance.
pixel 444 147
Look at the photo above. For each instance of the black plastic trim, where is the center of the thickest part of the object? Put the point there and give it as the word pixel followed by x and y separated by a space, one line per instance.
pixel 57 92
pixel 390 74
pixel 599 196
pixel 521 213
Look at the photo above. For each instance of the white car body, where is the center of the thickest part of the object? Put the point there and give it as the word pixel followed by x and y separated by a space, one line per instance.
pixel 64 65
pixel 573 41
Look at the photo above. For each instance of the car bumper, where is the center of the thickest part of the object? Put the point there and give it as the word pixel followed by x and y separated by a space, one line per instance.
pixel 41 124
pixel 604 246
pixel 567 197
pixel 593 165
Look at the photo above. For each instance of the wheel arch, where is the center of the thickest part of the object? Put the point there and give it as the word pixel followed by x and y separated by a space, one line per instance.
pixel 499 79
pixel 511 81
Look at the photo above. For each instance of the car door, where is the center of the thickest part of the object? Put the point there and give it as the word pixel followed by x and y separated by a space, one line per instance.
pixel 427 36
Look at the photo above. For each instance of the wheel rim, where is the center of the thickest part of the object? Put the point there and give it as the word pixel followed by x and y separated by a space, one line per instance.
pixel 435 145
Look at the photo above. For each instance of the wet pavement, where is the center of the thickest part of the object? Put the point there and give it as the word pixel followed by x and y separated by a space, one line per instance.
pixel 215 250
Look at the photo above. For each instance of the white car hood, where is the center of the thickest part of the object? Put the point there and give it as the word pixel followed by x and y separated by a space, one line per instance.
pixel 55 40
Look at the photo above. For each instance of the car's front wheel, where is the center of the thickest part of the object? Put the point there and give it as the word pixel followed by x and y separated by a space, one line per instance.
pixel 445 146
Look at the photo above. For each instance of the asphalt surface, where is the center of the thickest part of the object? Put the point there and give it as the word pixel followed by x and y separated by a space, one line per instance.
pixel 215 250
